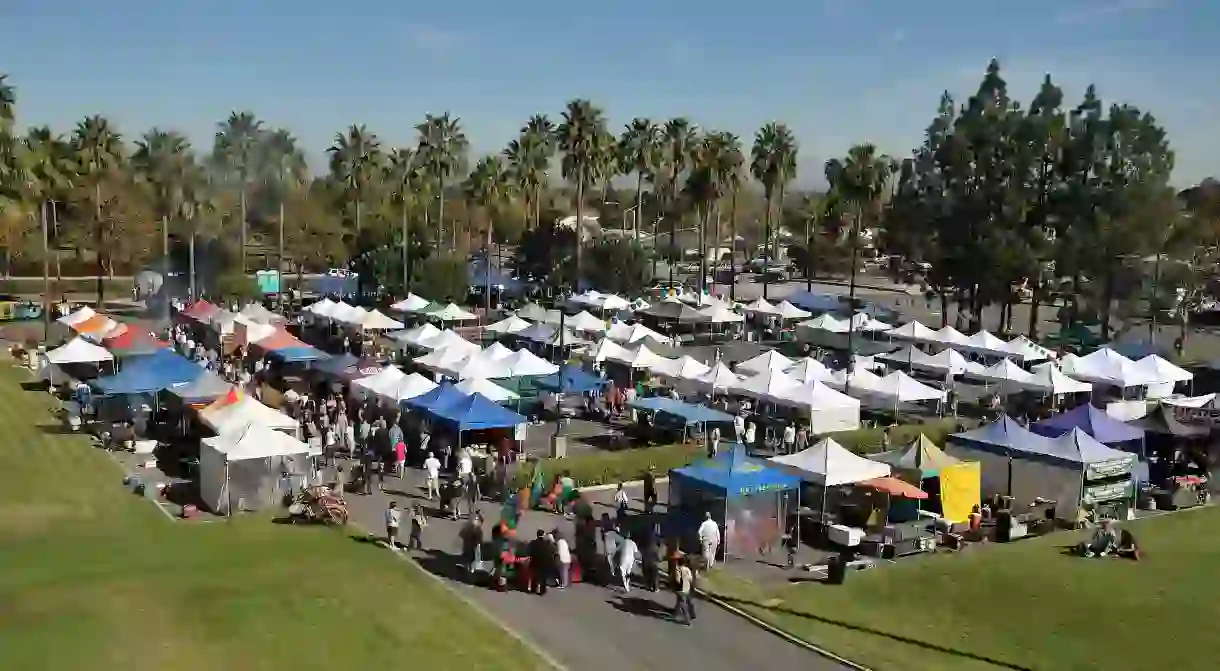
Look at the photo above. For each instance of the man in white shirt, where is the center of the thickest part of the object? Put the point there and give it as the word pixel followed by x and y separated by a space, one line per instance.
pixel 709 540
pixel 739 427
pixel 392 516
pixel 789 438
pixel 433 467
pixel 564 552
pixel 627 555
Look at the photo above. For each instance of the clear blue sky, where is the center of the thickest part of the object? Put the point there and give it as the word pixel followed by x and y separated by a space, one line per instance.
pixel 837 71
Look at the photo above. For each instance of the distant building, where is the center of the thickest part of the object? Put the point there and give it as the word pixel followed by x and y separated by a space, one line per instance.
pixel 589 226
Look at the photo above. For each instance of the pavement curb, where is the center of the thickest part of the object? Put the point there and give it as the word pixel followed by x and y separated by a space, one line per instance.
pixel 628 483
pixel 795 640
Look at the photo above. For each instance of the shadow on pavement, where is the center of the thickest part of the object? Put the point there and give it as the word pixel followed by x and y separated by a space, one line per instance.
pixel 634 605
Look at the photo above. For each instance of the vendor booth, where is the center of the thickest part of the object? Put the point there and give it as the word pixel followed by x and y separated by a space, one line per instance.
pixel 234 412
pixel 748 498
pixel 1095 422
pixel 149 374
pixel 952 485
pixel 251 468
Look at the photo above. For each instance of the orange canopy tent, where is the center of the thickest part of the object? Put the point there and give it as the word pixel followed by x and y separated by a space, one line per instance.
pixel 279 340
pixel 94 325
pixel 895 487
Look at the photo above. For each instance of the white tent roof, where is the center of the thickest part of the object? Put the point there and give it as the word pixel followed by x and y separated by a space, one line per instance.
pixel 491 390
pixel 905 388
pixel 260 314
pixel 613 302
pixel 1109 367
pixel 861 321
pixel 949 361
pixel 339 311
pixel 761 306
pixel 566 339
pixel 418 335
pixel 769 385
pixel 256 441
pixel 789 311
pixel 452 313
pixel 538 332
pixel 808 370
pixel 1050 379
pixel 826 322
pixel 408 386
pixel 1025 349
pixel 1008 372
pixel 245 334
pixel 817 396
pixel 79 350
pixel 583 321
pixel 862 381
pixel 769 360
pixel 1162 370
pixel 246 412
pixel 947 335
pixel 830 464
pixel 386 376
pixel 700 300
pixel 478 366
pixel 719 377
pixel 497 351
pixel 448 339
pixel 323 308
pixel 524 362
pixel 721 314
pixel 590 297
pixel 411 303
pixel 684 367
pixel 508 325
pixel 376 321
pixel 607 349
pixel 984 342
pixel 642 357
pixel 353 315
pixel 443 360
pixel 910 356
pixel 77 317
pixel 913 331
pixel 633 333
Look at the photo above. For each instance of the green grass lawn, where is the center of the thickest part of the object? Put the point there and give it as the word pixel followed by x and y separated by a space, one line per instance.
pixel 1023 605
pixel 92 577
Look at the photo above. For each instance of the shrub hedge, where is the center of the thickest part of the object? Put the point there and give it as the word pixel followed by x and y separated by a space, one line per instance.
pixel 604 467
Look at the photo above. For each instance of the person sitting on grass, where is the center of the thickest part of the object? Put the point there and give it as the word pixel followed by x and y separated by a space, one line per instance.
pixel 1104 542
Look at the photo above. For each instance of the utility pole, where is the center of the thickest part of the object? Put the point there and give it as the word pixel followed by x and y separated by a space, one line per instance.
pixel 164 263
pixel 279 260
pixel 46 274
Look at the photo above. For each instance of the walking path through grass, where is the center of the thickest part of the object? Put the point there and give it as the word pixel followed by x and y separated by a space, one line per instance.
pixel 92 577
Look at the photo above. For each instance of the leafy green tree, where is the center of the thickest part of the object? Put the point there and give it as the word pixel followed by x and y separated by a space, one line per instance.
pixel 444 277
pixel 679 138
pixel 547 254
pixel 355 160
pixel 639 154
pixel 527 158
pixel 235 155
pixel 98 152
pixel 619 266
pixel 442 147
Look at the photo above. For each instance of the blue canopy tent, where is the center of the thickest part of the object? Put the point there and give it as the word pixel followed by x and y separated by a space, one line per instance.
pixel 816 303
pixel 671 411
pixel 298 354
pixel 204 389
pixel 149 374
pixel 1104 428
pixel 571 380
pixel 442 395
pixel 476 412
pixel 339 285
pixel 336 365
pixel 744 495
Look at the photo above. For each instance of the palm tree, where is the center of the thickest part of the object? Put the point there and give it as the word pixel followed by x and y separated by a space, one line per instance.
pixel 580 136
pixel 678 142
pixel 403 175
pixel 49 172
pixel 235 153
pixel 605 165
pixel 162 161
pixel 639 153
pixel 286 169
pixel 734 159
pixel 716 159
pixel 859 182
pixel 538 140
pixel 98 149
pixel 442 147
pixel 489 186
pixel 773 163
pixel 355 157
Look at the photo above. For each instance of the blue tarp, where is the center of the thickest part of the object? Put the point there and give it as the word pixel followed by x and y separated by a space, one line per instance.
pixel 337 364
pixel 687 412
pixel 816 303
pixel 444 394
pixel 571 380
pixel 476 411
pixel 149 374
pixel 344 285
pixel 298 354
pixel 1092 421
pixel 733 475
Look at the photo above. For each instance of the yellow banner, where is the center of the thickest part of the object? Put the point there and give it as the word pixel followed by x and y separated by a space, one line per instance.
pixel 960 490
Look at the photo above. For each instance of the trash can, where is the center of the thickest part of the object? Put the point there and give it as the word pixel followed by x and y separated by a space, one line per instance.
pixel 836 571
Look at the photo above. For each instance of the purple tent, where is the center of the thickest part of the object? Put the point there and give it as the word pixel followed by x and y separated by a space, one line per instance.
pixel 1102 427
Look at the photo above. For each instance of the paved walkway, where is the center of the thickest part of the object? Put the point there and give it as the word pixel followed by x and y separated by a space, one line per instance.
pixel 591 628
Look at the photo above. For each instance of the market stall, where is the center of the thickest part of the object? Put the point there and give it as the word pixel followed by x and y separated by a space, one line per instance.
pixel 952 485
pixel 251 468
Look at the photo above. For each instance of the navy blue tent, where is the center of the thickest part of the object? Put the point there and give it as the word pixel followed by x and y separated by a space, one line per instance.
pixel 571 380
pixel 149 374
pixel 816 303
pixel 733 475
pixel 336 365
pixel 298 354
pixel 1092 421
pixel 444 394
pixel 476 411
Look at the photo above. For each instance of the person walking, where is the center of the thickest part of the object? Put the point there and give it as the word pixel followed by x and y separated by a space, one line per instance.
pixel 627 554
pixel 564 553
pixel 541 554
pixel 621 503
pixel 684 608
pixel 416 540
pixel 749 436
pixel 650 490
pixel 610 540
pixel 432 466
pixel 392 515
pixel 789 437
pixel 709 540
pixel 400 459
pixel 713 442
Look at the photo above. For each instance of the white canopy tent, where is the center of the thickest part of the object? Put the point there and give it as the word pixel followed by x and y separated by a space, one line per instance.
pixel 417 336
pixel 83 314
pixel 79 350
pixel 642 357
pixel 906 389
pixel 719 378
pixel 497 351
pixel 912 331
pixel 606 349
pixel 245 467
pixel 448 339
pixel 537 332
pixel 825 322
pixel 722 314
pixel 583 321
pixel 510 325
pixel 787 310
pixel 256 312
pixel 613 302
pixel 949 336
pixel 323 308
pixel 524 363
pixel 808 370
pixel 1105 366
pixel 987 344
pixel 1025 350
pixel 861 321
pixel 223 417
pixel 491 390
pixel 372 384
pixel 828 410
pixel 762 307
pixel 682 368
pixel 632 333
pixel 477 366
pixel 1009 377
pixel 375 320
pixel 411 303
pixel 770 360
pixel 1050 380
pixel 1166 374
pixel 948 362
pixel 830 464
pixel 451 313
pixel 770 385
